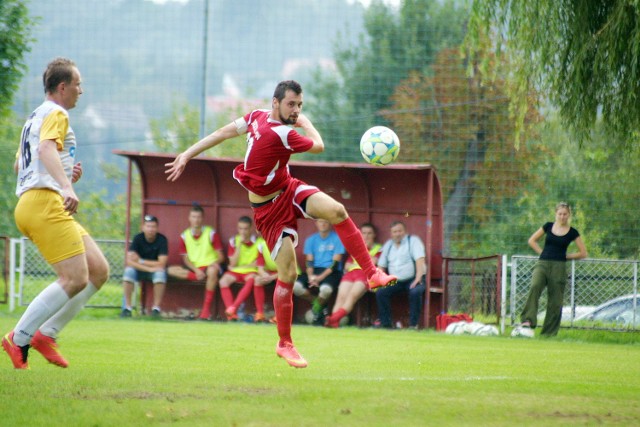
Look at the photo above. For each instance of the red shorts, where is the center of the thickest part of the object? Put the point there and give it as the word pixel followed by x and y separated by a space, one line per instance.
pixel 192 276
pixel 239 277
pixel 357 275
pixel 281 214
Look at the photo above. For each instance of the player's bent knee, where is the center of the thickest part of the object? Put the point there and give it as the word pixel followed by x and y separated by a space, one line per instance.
pixel 99 279
pixel 325 291
pixel 73 287
pixel 341 212
pixel 99 274
pixel 298 289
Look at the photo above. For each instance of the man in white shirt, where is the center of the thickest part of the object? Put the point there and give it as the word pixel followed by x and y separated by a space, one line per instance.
pixel 403 256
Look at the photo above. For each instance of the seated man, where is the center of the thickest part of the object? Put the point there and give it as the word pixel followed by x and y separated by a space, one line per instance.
pixel 146 260
pixel 404 256
pixel 202 256
pixel 243 255
pixel 323 253
pixel 267 274
pixel 354 282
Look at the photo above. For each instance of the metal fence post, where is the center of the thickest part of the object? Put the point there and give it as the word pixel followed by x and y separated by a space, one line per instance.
pixel 12 273
pixel 503 294
pixel 21 270
pixel 635 294
pixel 573 291
pixel 514 276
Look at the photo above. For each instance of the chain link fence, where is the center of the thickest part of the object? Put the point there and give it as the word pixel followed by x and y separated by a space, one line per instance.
pixel 4 254
pixel 600 293
pixel 30 273
pixel 473 286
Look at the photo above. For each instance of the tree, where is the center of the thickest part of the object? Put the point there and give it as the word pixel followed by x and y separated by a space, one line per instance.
pixel 584 56
pixel 15 30
pixel 599 183
pixel 15 41
pixel 345 103
pixel 9 140
pixel 178 131
pixel 461 125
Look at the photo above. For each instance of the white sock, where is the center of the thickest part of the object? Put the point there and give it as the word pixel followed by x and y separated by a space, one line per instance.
pixel 58 321
pixel 45 305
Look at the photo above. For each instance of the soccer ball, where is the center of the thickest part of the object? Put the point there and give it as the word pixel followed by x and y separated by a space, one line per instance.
pixel 486 331
pixel 522 332
pixel 471 327
pixel 379 146
pixel 308 316
pixel 456 328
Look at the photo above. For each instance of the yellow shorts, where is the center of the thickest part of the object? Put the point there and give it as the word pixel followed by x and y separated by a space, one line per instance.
pixel 40 216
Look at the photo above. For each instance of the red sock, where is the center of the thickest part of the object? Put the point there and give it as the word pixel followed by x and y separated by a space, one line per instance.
pixel 244 292
pixel 283 305
pixel 353 242
pixel 206 306
pixel 227 297
pixel 339 314
pixel 258 296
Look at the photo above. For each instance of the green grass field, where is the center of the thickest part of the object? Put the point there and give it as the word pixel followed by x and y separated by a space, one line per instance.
pixel 140 372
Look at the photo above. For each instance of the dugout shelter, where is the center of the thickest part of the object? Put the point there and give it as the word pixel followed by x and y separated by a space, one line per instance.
pixel 379 195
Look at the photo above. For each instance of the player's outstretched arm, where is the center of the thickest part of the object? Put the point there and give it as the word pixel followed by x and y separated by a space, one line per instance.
pixel 175 168
pixel 311 132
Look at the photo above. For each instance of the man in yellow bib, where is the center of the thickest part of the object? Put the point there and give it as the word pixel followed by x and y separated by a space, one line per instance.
pixel 202 255
pixel 243 255
pixel 46 169
pixel 267 274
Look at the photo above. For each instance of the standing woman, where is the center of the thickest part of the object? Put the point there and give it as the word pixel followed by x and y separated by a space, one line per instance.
pixel 550 269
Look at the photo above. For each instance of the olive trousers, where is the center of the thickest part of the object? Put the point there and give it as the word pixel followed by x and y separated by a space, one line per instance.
pixel 553 276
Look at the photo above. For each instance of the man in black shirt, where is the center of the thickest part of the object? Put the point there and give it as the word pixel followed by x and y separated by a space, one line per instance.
pixel 146 260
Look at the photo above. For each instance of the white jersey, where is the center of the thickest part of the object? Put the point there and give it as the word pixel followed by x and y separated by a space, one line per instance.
pixel 48 121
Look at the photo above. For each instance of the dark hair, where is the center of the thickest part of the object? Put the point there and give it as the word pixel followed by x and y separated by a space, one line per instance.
pixel 150 218
pixel 371 226
pixel 284 86
pixel 394 223
pixel 197 208
pixel 59 70
pixel 246 220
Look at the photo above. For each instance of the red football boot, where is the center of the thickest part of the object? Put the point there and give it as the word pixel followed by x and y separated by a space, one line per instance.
pixel 48 347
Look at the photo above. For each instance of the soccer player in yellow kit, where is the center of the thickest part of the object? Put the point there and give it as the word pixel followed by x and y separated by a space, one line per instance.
pixel 46 169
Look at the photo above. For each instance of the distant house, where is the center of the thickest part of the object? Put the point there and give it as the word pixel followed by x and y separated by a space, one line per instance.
pixel 103 127
pixel 117 126
pixel 231 103
pixel 131 118
pixel 296 67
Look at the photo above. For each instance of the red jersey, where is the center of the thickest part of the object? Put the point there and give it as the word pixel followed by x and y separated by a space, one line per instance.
pixel 270 144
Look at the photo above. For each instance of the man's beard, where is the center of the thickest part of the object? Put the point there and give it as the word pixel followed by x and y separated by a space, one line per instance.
pixel 288 120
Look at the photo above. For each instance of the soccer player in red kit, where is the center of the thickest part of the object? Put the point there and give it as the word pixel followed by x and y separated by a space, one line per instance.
pixel 278 199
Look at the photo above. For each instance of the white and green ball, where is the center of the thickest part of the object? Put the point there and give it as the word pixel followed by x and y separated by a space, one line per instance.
pixel 308 316
pixel 522 332
pixel 379 146
pixel 485 331
pixel 456 328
